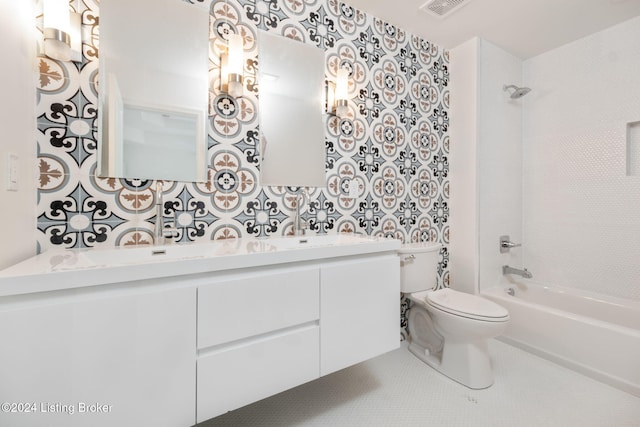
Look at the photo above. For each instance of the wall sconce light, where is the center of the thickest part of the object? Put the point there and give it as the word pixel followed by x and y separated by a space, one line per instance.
pixel 342 92
pixel 337 94
pixel 231 67
pixel 61 28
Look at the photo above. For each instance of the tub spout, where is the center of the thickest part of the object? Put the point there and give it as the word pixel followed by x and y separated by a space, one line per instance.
pixel 510 270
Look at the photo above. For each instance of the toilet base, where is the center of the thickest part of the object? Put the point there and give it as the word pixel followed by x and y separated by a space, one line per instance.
pixel 466 363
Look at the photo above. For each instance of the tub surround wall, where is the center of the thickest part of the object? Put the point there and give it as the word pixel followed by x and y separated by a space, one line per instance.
pixel 486 164
pixel 553 172
pixel 394 142
pixel 18 122
pixel 499 162
pixel 581 210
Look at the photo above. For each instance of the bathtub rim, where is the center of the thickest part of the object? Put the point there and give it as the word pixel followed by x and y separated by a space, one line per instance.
pixel 500 292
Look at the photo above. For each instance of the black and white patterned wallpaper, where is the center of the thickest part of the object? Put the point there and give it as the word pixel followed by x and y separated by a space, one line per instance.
pixel 394 142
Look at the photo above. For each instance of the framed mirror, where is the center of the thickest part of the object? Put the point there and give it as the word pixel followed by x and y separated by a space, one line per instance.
pixel 153 96
pixel 291 88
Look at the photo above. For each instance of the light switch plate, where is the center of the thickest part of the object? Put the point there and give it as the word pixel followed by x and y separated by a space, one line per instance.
pixel 13 171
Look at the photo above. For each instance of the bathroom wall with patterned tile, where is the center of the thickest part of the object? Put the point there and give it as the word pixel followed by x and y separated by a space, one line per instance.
pixel 394 142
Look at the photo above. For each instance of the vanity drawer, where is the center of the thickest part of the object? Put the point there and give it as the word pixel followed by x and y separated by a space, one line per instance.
pixel 251 305
pixel 234 376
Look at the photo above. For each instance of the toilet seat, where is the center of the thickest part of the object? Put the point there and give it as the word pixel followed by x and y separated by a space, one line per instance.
pixel 466 305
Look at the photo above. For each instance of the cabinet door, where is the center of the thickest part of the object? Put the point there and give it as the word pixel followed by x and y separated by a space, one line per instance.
pixel 132 353
pixel 359 311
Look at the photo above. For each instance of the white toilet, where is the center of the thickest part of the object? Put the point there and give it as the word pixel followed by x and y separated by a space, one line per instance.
pixel 448 329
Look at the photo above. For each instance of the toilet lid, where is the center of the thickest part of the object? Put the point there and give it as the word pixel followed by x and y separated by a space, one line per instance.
pixel 467 305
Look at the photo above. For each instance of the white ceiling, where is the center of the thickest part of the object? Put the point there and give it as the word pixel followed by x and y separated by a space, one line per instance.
pixel 525 28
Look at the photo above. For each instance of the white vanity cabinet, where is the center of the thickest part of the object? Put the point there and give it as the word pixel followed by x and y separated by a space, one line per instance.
pixel 207 330
pixel 128 352
pixel 258 334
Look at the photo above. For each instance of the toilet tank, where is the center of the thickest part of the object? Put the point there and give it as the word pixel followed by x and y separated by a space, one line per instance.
pixel 419 266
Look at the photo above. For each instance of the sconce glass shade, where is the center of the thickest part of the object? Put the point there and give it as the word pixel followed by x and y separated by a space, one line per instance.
pixel 232 67
pixel 235 54
pixel 61 31
pixel 235 85
pixel 342 92
pixel 76 36
pixel 56 29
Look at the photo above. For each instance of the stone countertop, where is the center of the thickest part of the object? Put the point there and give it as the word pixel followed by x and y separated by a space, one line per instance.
pixel 77 268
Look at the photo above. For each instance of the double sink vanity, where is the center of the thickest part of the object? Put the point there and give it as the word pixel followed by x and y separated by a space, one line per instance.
pixel 175 335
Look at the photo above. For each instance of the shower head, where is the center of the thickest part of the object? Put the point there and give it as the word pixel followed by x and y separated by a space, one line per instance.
pixel 518 92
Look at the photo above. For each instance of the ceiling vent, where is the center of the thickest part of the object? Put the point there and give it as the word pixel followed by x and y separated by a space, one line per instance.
pixel 442 8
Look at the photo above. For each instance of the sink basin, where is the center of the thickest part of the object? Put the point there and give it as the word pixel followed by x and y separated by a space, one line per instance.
pixel 145 254
pixel 291 242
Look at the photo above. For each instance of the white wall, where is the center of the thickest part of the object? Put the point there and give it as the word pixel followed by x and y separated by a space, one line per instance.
pixel 17 121
pixel 581 211
pixel 463 242
pixel 486 165
pixel 499 162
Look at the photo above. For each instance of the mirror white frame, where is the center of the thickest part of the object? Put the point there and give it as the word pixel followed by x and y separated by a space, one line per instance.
pixel 292 129
pixel 154 56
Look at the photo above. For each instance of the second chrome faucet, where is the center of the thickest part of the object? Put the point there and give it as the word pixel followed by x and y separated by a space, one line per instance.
pixel 299 224
pixel 161 234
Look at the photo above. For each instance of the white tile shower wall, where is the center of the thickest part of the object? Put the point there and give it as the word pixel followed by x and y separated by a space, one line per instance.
pixel 17 120
pixel 633 148
pixel 486 164
pixel 581 211
pixel 499 162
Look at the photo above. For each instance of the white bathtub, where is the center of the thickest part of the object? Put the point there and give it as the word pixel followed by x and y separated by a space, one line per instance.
pixel 594 334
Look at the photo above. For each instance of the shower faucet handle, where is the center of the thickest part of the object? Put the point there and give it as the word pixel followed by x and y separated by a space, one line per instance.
pixel 506 244
pixel 510 245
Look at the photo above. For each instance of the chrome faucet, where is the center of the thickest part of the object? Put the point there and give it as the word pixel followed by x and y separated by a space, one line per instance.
pixel 299 224
pixel 160 232
pixel 510 270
